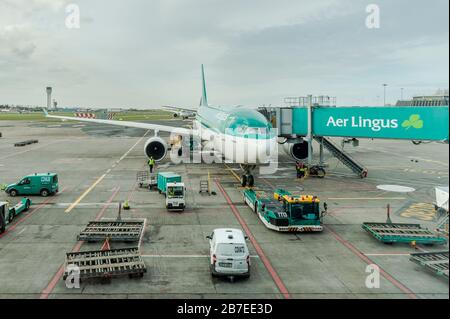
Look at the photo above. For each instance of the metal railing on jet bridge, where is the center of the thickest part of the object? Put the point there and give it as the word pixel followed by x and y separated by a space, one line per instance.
pixel 342 156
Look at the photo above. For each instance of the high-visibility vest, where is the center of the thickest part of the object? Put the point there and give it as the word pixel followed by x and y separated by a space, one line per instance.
pixel 151 162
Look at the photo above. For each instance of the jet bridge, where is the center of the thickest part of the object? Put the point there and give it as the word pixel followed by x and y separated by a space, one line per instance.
pixel 305 123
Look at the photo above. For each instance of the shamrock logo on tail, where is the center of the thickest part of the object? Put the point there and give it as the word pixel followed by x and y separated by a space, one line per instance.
pixel 414 121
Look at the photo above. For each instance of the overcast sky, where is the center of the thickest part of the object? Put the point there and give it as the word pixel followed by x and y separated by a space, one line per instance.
pixel 147 53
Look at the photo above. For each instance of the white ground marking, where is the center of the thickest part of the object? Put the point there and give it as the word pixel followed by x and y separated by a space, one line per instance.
pixel 21 231
pixel 389 254
pixel 396 188
pixel 75 204
pixel 428 160
pixel 184 256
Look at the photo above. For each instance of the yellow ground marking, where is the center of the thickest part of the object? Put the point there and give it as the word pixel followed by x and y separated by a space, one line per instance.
pixel 74 204
pixel 427 172
pixel 209 182
pixel 232 172
pixel 422 211
pixel 86 192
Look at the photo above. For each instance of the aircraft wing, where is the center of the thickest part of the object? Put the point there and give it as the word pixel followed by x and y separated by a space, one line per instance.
pixel 148 126
pixel 176 108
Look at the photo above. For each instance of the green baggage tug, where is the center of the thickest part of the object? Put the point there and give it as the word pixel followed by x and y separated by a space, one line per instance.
pixel 285 212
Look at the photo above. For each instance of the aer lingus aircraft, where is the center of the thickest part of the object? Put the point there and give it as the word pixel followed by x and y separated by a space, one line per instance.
pixel 240 135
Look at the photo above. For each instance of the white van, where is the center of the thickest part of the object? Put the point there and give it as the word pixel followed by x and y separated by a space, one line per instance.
pixel 229 253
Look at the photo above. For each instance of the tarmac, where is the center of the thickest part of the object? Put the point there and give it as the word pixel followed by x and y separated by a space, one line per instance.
pixel 97 168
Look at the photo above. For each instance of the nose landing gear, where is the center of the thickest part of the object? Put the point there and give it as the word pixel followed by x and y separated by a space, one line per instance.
pixel 247 178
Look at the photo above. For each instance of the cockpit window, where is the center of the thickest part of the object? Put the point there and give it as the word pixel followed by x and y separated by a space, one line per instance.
pixel 248 123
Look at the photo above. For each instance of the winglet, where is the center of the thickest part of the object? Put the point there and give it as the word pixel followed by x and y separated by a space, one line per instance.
pixel 204 100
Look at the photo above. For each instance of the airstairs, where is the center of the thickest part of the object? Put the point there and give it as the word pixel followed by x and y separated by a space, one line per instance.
pixel 342 156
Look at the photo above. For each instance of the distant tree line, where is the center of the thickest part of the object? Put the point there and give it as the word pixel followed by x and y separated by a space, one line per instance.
pixel 25 108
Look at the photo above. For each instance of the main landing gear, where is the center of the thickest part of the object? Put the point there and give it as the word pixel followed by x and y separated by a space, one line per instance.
pixel 247 178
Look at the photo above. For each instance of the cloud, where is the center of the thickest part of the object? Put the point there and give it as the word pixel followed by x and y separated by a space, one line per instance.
pixel 147 53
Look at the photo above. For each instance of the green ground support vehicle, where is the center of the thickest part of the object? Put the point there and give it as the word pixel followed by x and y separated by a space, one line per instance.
pixel 173 188
pixel 36 184
pixel 7 213
pixel 284 212
pixel 389 233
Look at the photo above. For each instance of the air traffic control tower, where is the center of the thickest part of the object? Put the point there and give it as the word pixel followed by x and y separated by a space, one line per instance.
pixel 49 97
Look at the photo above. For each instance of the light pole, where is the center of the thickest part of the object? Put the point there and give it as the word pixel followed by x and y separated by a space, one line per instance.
pixel 384 86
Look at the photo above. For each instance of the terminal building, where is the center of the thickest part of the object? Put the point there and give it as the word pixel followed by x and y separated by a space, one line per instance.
pixel 440 98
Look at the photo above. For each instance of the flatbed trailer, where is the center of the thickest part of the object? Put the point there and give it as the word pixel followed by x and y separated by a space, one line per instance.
pixel 436 262
pixel 118 231
pixel 280 216
pixel 403 233
pixel 106 264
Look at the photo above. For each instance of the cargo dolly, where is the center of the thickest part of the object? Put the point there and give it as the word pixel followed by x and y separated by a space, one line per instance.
pixel 145 179
pixel 106 264
pixel 436 262
pixel 119 231
pixel 402 233
pixel 28 142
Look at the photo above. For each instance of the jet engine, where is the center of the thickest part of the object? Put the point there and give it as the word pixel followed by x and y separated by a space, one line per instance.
pixel 298 151
pixel 156 147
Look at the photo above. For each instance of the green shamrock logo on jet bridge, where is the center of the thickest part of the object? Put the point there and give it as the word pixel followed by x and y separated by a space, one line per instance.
pixel 414 121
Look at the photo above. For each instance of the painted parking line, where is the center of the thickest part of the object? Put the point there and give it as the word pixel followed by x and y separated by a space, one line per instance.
pixel 366 198
pixel 31 149
pixel 388 254
pixel 422 211
pixel 86 192
pixel 276 278
pixel 60 272
pixel 25 217
pixel 364 257
pixel 233 173
pixel 428 160
pixel 368 261
pixel 185 256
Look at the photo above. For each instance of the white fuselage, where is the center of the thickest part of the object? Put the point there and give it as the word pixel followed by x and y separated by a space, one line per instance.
pixel 237 149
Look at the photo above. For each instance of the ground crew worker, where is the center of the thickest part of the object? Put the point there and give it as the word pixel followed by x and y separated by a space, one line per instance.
pixel 301 170
pixel 297 168
pixel 151 164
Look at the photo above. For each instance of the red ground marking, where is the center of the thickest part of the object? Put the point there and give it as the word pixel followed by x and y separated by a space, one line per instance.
pixel 279 283
pixel 25 217
pixel 367 260
pixel 57 277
